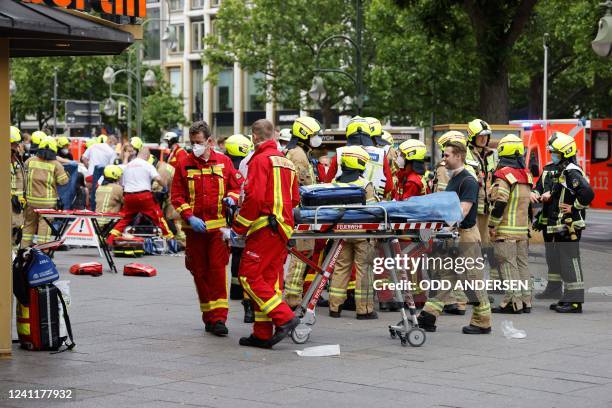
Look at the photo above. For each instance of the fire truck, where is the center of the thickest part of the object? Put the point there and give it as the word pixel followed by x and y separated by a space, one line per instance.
pixel 593 140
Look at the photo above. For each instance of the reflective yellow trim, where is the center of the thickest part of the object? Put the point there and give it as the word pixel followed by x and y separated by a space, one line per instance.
pixel 41 165
pixel 183 207
pixel 220 197
pixel 262 317
pixel 235 196
pixel 213 224
pixel 267 306
pixel 241 220
pixel 215 304
pixel 23 329
pixel 191 186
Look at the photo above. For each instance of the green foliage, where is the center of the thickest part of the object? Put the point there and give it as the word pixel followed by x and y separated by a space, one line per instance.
pixel 161 112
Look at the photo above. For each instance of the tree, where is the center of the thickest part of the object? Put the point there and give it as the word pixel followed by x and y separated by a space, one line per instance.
pixel 161 111
pixel 279 38
pixel 495 26
pixel 578 80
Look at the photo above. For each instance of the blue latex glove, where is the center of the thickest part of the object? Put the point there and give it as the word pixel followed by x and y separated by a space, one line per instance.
pixel 229 202
pixel 197 224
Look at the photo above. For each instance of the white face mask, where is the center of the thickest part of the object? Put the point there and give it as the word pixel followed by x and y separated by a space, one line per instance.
pixel 198 149
pixel 400 161
pixel 316 141
pixel 163 145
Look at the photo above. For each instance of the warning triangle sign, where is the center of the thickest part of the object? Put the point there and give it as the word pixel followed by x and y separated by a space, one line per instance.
pixel 81 227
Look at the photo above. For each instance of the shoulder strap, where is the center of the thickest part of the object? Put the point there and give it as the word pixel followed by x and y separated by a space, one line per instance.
pixel 72 344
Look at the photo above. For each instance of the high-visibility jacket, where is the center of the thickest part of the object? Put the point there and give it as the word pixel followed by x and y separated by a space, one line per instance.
pixel 109 198
pixel 483 168
pixel 409 184
pixel 510 197
pixel 18 178
pixel 270 193
pixel 176 155
pixel 166 172
pixel 378 170
pixel 43 177
pixel 303 168
pixel 199 186
pixel 570 186
pixel 545 185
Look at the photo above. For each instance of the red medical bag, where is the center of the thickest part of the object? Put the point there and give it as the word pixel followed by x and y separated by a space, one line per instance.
pixel 137 269
pixel 87 268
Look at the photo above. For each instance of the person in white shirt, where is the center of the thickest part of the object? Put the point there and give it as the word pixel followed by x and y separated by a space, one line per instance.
pixel 99 154
pixel 138 176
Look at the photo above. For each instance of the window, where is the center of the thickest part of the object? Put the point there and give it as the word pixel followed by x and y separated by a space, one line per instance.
pixel 215 3
pixel 178 44
pixel 197 91
pixel 197 36
pixel 174 75
pixel 224 91
pixel 601 146
pixel 197 4
pixel 176 5
pixel 255 94
pixel 151 37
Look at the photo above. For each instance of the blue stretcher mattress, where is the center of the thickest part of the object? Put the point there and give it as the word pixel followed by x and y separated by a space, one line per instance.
pixel 443 206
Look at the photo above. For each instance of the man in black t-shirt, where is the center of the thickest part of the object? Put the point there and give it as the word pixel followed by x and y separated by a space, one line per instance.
pixel 465 185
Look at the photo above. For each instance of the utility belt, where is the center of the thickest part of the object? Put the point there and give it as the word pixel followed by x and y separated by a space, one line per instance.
pixel 137 192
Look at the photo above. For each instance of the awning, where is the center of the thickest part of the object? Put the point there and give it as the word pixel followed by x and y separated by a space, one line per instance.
pixel 36 30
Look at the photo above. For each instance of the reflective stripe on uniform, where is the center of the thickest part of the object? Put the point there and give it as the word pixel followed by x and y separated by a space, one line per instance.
pixel 215 304
pixel 265 306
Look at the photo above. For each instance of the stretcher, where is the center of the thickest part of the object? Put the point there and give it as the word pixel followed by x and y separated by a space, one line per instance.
pixel 101 232
pixel 376 222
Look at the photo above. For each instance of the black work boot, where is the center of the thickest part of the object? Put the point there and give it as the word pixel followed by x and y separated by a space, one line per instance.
pixel 567 307
pixel 236 292
pixel 552 291
pixel 218 328
pixel 453 309
pixel 368 316
pixel 249 311
pixel 508 309
pixel 253 341
pixel 427 321
pixel 349 303
pixel 471 329
pixel 526 309
pixel 335 314
pixel 284 330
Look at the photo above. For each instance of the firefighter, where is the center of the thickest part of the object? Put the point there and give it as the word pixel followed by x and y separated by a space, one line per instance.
pixel 177 153
pixel 283 139
pixel 44 174
pixel 509 222
pixel 35 139
pixel 459 301
pixel 411 170
pixel 463 183
pixel 63 145
pixel 109 196
pixel 304 135
pixel 266 219
pixel 202 180
pixel 569 198
pixel 18 178
pixel 237 147
pixel 138 177
pixel 554 285
pixel 358 252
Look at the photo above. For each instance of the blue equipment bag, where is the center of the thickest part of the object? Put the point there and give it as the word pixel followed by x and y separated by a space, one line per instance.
pixel 41 269
pixel 331 194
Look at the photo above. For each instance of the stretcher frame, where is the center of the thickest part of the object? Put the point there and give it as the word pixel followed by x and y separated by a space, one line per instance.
pixel 389 233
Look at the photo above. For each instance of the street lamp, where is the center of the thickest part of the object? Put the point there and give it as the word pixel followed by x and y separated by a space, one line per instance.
pixel 356 43
pixel 149 80
pixel 317 92
pixel 109 76
pixel 110 107
pixel 602 45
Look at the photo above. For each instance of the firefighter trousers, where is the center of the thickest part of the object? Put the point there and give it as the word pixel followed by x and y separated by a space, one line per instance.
pixel 35 228
pixel 141 203
pixel 358 252
pixel 469 247
pixel 568 253
pixel 261 276
pixel 552 261
pixel 512 258
pixel 206 257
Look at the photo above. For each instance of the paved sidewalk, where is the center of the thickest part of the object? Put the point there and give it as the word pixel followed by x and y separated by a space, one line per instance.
pixel 140 343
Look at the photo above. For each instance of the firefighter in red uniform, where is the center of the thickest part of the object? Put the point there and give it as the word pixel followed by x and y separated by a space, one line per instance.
pixel 411 165
pixel 202 180
pixel 177 153
pixel 266 219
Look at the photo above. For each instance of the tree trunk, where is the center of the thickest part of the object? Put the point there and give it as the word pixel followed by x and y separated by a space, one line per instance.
pixel 327 113
pixel 534 104
pixel 494 94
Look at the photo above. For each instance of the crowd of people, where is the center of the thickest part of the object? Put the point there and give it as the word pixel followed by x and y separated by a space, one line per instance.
pixel 234 199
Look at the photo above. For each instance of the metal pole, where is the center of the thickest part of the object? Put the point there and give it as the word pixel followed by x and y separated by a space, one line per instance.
pixel 358 32
pixel 129 86
pixel 545 90
pixel 54 101
pixel 139 89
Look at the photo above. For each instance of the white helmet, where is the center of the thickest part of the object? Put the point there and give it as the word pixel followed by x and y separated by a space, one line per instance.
pixel 170 137
pixel 285 135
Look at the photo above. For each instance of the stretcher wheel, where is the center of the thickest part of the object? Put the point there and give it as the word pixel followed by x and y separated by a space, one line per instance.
pixel 416 337
pixel 392 333
pixel 403 340
pixel 301 334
